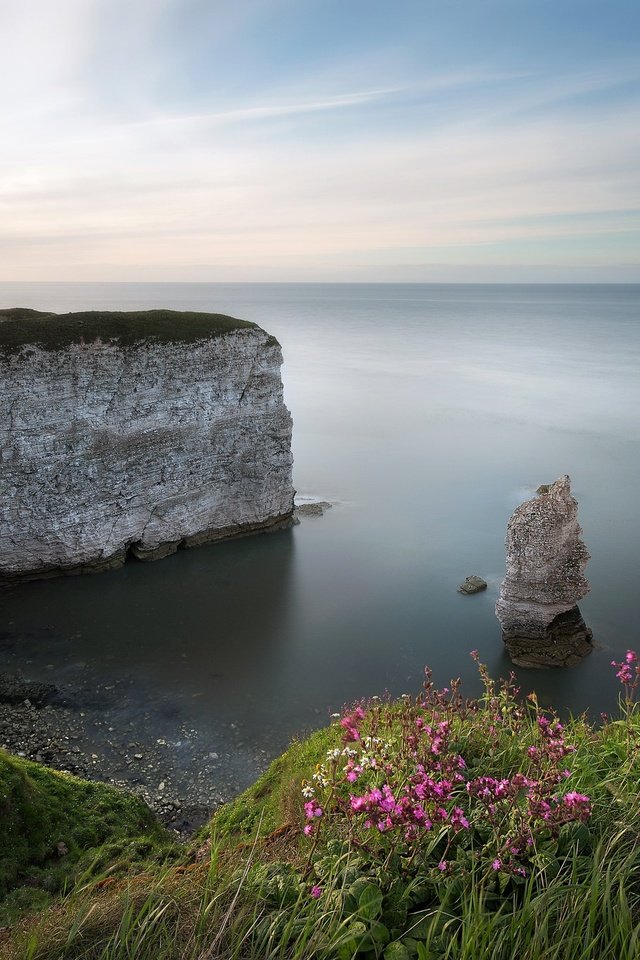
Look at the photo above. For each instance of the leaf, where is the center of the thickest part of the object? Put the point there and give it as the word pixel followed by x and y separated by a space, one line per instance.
pixel 420 924
pixel 354 935
pixel 396 951
pixel 379 933
pixel 369 902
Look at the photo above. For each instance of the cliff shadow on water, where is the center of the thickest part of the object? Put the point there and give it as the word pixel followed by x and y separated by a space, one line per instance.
pixel 160 667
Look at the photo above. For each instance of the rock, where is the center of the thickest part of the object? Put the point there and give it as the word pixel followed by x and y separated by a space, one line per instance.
pixel 15 689
pixel 541 623
pixel 472 584
pixel 136 433
pixel 313 508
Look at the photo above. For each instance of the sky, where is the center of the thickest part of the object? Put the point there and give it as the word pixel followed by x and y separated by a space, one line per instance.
pixel 320 140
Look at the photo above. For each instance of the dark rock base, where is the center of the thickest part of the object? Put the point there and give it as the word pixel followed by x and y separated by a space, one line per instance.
pixel 138 552
pixel 567 641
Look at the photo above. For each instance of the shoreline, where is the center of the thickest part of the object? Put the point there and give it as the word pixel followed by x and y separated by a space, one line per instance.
pixel 85 736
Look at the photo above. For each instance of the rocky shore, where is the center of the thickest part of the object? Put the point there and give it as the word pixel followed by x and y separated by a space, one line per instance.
pixel 180 777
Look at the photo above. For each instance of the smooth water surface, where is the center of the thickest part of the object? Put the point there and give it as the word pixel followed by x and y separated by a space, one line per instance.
pixel 427 413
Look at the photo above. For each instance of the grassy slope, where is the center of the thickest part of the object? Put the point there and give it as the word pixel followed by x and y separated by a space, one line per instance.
pixel 274 801
pixel 99 826
pixel 178 912
pixel 20 326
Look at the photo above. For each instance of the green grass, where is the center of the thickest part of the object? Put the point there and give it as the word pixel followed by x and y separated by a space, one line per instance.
pixel 243 892
pixel 20 327
pixel 274 801
pixel 99 826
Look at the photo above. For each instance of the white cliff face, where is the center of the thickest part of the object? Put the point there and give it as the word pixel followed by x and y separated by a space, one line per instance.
pixel 546 558
pixel 108 446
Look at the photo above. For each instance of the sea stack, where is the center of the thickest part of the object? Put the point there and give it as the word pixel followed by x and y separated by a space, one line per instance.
pixel 546 557
pixel 136 433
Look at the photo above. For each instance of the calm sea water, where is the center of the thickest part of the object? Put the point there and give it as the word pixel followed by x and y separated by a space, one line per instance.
pixel 427 413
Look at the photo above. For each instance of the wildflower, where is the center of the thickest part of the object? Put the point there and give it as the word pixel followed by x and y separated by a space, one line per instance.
pixel 316 892
pixel 497 864
pixel 308 830
pixel 458 820
pixel 443 866
pixel 312 809
pixel 578 804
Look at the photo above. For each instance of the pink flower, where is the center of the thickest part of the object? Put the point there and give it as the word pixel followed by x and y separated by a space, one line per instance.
pixel 497 864
pixel 443 866
pixel 578 804
pixel 312 809
pixel 458 820
pixel 308 830
pixel 316 892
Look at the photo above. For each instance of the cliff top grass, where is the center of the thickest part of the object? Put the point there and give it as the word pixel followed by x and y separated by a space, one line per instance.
pixel 20 327
pixel 55 828
pixel 376 839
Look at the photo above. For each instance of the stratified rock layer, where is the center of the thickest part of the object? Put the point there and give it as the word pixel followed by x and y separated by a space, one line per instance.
pixel 546 557
pixel 139 433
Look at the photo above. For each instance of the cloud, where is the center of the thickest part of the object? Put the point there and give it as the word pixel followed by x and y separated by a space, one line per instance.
pixel 314 174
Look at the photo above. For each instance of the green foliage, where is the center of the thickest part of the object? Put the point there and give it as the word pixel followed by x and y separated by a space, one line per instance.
pixel 274 800
pixel 348 895
pixel 20 327
pixel 55 828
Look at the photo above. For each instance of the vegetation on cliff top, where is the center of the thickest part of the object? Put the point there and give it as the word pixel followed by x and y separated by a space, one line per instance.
pixel 55 828
pixel 20 326
pixel 430 828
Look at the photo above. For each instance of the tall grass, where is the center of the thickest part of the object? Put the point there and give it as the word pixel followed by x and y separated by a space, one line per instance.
pixel 335 896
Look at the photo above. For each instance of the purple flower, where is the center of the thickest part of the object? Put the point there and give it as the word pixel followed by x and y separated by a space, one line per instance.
pixel 458 820
pixel 316 892
pixel 312 809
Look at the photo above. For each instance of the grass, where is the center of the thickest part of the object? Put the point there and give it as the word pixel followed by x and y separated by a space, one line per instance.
pixel 243 891
pixel 274 802
pixel 55 829
pixel 20 327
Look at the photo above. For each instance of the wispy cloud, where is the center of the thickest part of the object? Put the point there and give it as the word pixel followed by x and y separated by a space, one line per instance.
pixel 347 163
pixel 273 110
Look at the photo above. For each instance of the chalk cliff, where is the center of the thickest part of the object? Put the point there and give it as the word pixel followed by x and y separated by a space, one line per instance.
pixel 139 432
pixel 546 558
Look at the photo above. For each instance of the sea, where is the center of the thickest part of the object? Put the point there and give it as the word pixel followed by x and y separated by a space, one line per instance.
pixel 425 413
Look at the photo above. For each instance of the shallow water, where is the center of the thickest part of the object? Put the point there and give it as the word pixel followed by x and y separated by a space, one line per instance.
pixel 427 413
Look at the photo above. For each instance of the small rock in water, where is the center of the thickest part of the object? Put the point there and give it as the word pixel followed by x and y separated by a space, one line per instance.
pixel 314 508
pixel 472 585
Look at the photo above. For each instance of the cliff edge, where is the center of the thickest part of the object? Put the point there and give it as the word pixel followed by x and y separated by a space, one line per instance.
pixel 136 433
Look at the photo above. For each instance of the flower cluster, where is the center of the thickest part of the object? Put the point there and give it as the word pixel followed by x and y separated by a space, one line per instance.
pixel 401 777
pixel 628 672
pixel 351 722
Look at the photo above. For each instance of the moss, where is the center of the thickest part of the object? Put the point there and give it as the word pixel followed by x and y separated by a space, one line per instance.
pixel 96 826
pixel 20 326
